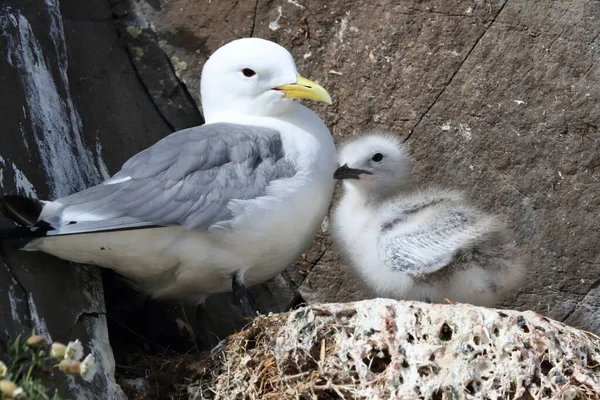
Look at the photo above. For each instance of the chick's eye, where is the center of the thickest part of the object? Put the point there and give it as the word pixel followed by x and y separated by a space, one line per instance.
pixel 248 73
pixel 377 157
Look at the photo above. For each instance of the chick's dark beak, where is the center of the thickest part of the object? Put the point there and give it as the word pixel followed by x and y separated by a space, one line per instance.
pixel 345 172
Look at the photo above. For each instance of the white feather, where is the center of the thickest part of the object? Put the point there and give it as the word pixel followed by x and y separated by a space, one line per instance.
pixel 112 181
pixel 267 233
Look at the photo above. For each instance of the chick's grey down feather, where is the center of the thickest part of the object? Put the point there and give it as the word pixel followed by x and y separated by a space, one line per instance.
pixel 429 248
pixel 187 178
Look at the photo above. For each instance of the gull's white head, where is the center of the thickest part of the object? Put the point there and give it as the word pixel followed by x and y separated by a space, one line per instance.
pixel 253 77
pixel 375 165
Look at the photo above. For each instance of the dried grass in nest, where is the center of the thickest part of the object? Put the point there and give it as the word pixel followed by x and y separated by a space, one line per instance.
pixel 383 349
pixel 245 366
pixel 168 373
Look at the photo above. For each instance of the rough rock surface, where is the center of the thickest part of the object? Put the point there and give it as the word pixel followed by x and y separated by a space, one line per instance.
pixel 72 109
pixel 386 349
pixel 499 98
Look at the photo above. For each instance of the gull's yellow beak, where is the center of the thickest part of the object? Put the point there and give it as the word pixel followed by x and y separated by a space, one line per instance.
pixel 305 89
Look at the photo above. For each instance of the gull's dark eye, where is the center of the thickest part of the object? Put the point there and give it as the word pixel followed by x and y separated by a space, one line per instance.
pixel 248 73
pixel 377 157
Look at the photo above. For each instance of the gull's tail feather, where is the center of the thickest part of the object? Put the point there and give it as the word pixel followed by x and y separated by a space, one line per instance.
pixel 24 211
pixel 22 232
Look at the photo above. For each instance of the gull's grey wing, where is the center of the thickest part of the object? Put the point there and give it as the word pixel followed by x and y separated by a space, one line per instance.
pixel 187 178
pixel 426 239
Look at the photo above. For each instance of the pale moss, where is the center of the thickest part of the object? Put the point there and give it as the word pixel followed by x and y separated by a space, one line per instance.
pixel 179 66
pixel 134 31
pixel 139 52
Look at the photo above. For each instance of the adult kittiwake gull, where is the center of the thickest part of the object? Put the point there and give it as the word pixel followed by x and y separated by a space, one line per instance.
pixel 427 244
pixel 226 204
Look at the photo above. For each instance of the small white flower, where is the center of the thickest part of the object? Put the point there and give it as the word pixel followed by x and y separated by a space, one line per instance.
pixel 7 388
pixel 88 368
pixel 36 341
pixel 58 350
pixel 19 393
pixel 70 367
pixel 74 351
pixel 3 369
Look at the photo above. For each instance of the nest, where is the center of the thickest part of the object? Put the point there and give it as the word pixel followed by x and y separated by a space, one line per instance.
pixel 385 349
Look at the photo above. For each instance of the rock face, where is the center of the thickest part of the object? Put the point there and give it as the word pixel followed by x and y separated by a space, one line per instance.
pixel 499 98
pixel 385 349
pixel 72 110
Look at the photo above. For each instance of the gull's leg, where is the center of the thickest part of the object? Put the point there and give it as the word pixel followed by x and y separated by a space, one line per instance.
pixel 200 307
pixel 240 291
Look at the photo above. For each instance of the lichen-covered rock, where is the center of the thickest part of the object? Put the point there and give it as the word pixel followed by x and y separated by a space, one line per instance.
pixel 384 349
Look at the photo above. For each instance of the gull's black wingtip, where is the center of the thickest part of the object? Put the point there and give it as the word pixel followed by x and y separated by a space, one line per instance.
pixel 25 211
pixel 22 232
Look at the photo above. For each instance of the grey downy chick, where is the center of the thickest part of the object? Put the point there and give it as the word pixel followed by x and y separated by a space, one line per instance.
pixel 424 245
